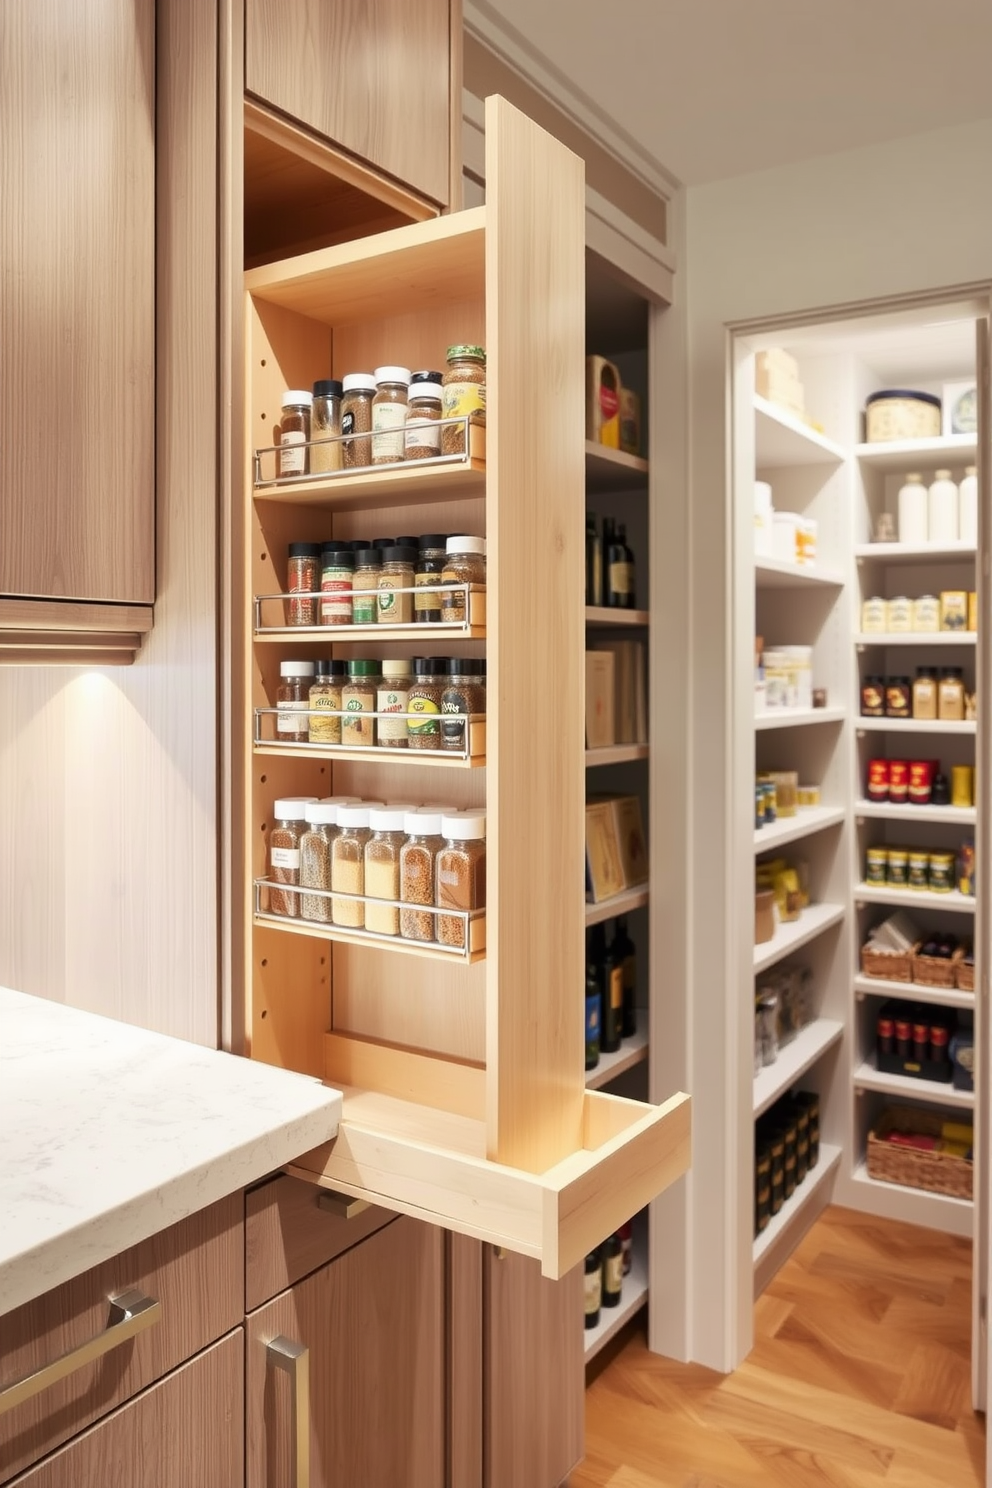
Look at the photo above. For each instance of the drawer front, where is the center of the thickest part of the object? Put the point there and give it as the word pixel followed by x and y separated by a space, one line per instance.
pixel 289 1233
pixel 194 1270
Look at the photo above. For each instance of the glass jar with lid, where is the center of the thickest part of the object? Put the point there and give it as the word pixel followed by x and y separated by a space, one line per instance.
pixel 423 421
pixel 364 583
pixel 431 557
pixel 465 563
pixel 293 701
pixel 423 725
pixel 325 702
pixel 463 394
pixel 358 699
pixel 389 410
pixel 292 457
pixel 463 696
pixel 417 872
pixel 284 854
pixel 315 859
pixel 337 571
pixel 382 867
pixel 358 390
pixel 303 577
pixel 925 694
pixel 460 874
pixel 393 697
pixel 348 863
pixel 950 695
pixel 325 424
pixel 396 573
pixel 898 697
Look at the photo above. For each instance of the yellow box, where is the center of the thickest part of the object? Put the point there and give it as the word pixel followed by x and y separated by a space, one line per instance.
pixel 602 402
pixel 630 422
pixel 954 609
pixel 972 610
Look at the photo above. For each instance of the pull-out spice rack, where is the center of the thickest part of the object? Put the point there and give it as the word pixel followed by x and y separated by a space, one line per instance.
pixel 472 627
pixel 472 757
pixel 466 933
pixel 472 457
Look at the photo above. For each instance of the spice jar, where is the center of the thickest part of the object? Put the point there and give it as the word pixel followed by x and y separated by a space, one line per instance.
pixel 348 864
pixel 294 433
pixel 315 859
pixel 356 419
pixel 417 872
pixel 303 578
pixel 293 700
pixel 325 424
pixel 423 725
pixel 396 573
pixel 284 853
pixel 325 702
pixel 358 699
pixel 392 697
pixel 925 694
pixel 898 697
pixel 463 394
pixel 873 697
pixel 950 694
pixel 465 563
pixel 364 583
pixel 337 570
pixel 382 867
pixel 463 696
pixel 460 874
pixel 431 557
pixel 389 408
pixel 422 439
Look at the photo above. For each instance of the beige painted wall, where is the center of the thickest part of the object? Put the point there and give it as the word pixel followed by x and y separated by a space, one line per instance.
pixel 908 216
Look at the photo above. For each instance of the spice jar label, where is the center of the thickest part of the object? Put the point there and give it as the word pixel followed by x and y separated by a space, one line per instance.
pixel 428 723
pixel 288 721
pixel 463 398
pixel 292 453
pixel 285 857
pixel 389 417
pixel 423 434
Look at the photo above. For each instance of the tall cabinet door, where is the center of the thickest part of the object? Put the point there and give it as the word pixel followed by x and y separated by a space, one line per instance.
pixel 980 1350
pixel 368 1401
pixel 77 300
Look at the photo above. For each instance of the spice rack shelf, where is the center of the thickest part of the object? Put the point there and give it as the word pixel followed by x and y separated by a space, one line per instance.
pixel 913 992
pixel 431 950
pixel 932 1211
pixel 798 717
pixel 472 627
pixel 778 573
pixel 919 639
pixel 794 1212
pixel 807 821
pixel 789 937
pixel 939 1093
pixel 795 1058
pixel 616 754
pixel 913 552
pixel 914 726
pixel 436 758
pixel 960 816
pixel 927 454
pixel 396 485
pixel 783 440
pixel 632 1051
pixel 602 615
pixel 620 904
pixel 953 902
pixel 632 1298
pixel 614 470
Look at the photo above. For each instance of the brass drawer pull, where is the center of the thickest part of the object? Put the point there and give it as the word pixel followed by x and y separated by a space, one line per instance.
pixel 130 1314
pixel 294 1358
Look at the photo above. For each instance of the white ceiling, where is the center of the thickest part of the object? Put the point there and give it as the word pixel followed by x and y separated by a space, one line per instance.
pixel 716 88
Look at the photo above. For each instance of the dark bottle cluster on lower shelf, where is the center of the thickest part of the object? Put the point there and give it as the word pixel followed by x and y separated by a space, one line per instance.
pixel 611 990
pixel 925 1042
pixel 786 1148
pixel 605 1269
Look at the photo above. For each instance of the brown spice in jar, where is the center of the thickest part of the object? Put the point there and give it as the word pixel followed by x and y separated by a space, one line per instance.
pixel 463 394
pixel 460 878
pixel 315 869
pixel 284 854
pixel 356 419
pixel 417 871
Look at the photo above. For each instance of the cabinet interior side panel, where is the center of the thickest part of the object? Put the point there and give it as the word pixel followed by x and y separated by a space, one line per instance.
pixel 416 340
pixel 421 1005
pixel 535 277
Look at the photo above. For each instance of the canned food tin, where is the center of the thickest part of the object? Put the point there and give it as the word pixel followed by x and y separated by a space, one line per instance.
pixel 942 872
pixel 898 782
pixel 898 869
pixel 878 780
pixel 877 865
pixel 919 870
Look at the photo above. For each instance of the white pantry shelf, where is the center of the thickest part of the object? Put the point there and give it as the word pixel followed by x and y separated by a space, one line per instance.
pixel 953 902
pixel 913 992
pixel 882 552
pixel 920 639
pixel 933 1211
pixel 777 573
pixel 925 454
pixel 782 440
pixel 631 1052
pixel 632 1298
pixel 867 1077
pixel 779 718
pixel 807 820
pixel 913 726
pixel 955 816
pixel 796 933
pixel 795 1215
pixel 795 1058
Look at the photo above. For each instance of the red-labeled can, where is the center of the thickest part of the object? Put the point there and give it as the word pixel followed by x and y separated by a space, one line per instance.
pixel 878 780
pixel 939 1040
pixel 898 782
pixel 903 1031
pixel 920 782
pixel 921 1040
pixel 886 1031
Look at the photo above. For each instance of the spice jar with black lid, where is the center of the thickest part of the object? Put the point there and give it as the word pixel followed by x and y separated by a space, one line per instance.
pixel 325 424
pixel 356 419
pixel 389 410
pixel 396 574
pixel 294 433
pixel 325 702
pixel 465 563
pixel 898 697
pixel 873 697
pixel 463 696
pixel 337 572
pixel 418 856
pixel 460 872
pixel 284 853
pixel 423 725
pixel 463 394
pixel 364 584
pixel 431 557
pixel 293 701
pixel 303 577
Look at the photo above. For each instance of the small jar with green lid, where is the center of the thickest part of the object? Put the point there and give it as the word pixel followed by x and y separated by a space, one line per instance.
pixel 358 699
pixel 463 394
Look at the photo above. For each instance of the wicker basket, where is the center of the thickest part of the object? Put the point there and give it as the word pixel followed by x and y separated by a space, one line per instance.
pixel 964 973
pixel 887 966
pixel 936 971
pixel 938 1172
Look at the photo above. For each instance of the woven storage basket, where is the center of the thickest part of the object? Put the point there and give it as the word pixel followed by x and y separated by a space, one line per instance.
pixel 887 966
pixel 938 1172
pixel 964 973
pixel 936 971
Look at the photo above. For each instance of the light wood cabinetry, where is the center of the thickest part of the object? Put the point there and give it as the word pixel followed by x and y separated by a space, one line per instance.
pixel 373 76
pixel 185 1432
pixel 77 396
pixel 373 1323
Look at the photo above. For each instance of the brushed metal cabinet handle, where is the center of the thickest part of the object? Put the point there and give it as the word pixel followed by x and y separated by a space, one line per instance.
pixel 294 1359
pixel 131 1313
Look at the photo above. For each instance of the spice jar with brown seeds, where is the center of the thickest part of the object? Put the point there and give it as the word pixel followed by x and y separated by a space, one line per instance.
pixel 417 859
pixel 389 410
pixel 293 701
pixel 463 394
pixel 294 433
pixel 284 853
pixel 465 563
pixel 315 859
pixel 356 419
pixel 460 874
pixel 423 428
pixel 463 697
pixel 423 725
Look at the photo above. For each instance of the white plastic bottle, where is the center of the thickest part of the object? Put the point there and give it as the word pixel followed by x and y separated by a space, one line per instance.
pixel 968 506
pixel 943 509
pixel 913 525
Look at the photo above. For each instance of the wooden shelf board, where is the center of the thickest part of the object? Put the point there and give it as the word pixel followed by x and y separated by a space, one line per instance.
pixel 808 819
pixel 960 816
pixel 614 470
pixel 616 754
pixel 913 552
pixel 395 485
pixel 632 1051
pixel 776 573
pixel 933 1211
pixel 338 635
pixel 929 454
pixel 867 1077
pixel 779 718
pixel 789 1215
pixel 376 942
pixel 809 1045
pixel 620 904
pixel 953 903
pixel 914 992
pixel 797 933
pixel 913 726
pixel 604 615
pixel 782 440
pixel 632 1298
pixel 920 639
pixel 436 758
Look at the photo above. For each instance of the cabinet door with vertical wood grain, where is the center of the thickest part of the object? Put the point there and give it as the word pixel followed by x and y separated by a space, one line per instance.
pixel 370 75
pixel 77 299
pixel 367 1402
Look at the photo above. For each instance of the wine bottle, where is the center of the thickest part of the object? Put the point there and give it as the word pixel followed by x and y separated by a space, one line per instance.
pixel 593 1287
pixel 624 951
pixel 592 1007
pixel 612 1271
pixel 594 562
pixel 619 574
pixel 611 991
pixel 631 575
pixel 626 1233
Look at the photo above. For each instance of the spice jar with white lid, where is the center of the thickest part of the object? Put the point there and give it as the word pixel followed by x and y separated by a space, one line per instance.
pixel 294 433
pixel 382 867
pixel 460 874
pixel 393 697
pixel 465 563
pixel 290 814
pixel 417 870
pixel 348 863
pixel 325 425
pixel 389 410
pixel 396 573
pixel 422 436
pixel 293 701
pixel 358 390
pixel 315 858
pixel 463 394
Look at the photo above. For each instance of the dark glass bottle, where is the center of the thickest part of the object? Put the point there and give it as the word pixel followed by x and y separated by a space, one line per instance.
pixel 624 951
pixel 631 568
pixel 612 1271
pixel 594 562
pixel 611 992
pixel 592 1007
pixel 593 1288
pixel 618 570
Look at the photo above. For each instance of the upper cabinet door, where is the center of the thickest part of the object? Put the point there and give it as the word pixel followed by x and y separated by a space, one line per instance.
pixel 77 299
pixel 371 75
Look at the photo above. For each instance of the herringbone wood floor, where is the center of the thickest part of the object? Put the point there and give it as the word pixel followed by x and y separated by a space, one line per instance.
pixel 859 1378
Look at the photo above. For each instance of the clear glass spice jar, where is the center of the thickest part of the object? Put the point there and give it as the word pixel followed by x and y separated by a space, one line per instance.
pixel 465 563
pixel 292 458
pixel 460 874
pixel 315 859
pixel 303 577
pixel 365 582
pixel 393 697
pixel 431 557
pixel 422 439
pixel 293 701
pixel 325 424
pixel 348 864
pixel 358 699
pixel 463 696
pixel 382 867
pixel 389 409
pixel 417 872
pixel 463 394
pixel 337 572
pixel 423 725
pixel 950 695
pixel 325 699
pixel 396 573
pixel 356 419
pixel 284 853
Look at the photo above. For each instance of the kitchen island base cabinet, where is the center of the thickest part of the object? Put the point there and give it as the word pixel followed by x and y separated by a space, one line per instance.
pixel 185 1432
pixel 373 1323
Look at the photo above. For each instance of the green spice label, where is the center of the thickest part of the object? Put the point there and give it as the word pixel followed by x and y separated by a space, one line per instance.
pixel 429 722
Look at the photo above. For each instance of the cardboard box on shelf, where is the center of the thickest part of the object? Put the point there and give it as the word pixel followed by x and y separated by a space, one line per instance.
pixel 604 868
pixel 600 699
pixel 602 402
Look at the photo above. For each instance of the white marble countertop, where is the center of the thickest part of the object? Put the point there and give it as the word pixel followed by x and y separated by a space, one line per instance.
pixel 109 1134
